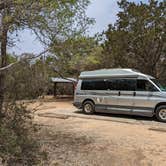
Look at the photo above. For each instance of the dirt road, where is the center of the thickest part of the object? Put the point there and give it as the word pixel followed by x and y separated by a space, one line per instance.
pixel 72 138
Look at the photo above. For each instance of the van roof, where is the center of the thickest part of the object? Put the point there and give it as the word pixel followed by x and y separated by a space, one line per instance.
pixel 119 72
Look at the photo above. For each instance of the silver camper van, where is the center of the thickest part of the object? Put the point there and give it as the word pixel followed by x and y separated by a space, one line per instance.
pixel 120 91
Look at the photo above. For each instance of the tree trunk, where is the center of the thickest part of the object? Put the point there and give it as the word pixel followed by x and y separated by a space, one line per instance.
pixel 3 62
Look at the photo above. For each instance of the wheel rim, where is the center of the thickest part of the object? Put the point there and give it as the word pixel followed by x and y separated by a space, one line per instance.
pixel 162 114
pixel 88 108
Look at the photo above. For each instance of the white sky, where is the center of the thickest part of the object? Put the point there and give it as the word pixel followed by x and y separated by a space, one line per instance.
pixel 104 12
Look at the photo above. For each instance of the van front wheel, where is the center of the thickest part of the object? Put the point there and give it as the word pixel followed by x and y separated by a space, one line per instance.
pixel 161 113
pixel 88 107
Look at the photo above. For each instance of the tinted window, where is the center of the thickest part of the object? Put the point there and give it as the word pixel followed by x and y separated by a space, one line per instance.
pixel 145 85
pixel 122 84
pixel 94 85
pixel 112 84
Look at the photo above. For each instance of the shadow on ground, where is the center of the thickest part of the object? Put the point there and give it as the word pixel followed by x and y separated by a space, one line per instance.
pixel 122 116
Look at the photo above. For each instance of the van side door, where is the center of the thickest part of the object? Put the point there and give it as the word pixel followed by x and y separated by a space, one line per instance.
pixel 112 95
pixel 124 90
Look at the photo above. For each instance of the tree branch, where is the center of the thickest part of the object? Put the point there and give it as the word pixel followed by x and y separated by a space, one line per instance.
pixel 21 59
pixel 73 82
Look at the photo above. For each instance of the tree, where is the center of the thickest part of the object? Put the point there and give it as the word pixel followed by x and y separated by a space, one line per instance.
pixel 77 54
pixel 25 76
pixel 138 38
pixel 49 20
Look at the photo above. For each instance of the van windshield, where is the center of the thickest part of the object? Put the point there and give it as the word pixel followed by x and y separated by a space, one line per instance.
pixel 162 87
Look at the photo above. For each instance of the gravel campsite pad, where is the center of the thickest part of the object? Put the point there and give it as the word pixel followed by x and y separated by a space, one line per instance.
pixel 70 138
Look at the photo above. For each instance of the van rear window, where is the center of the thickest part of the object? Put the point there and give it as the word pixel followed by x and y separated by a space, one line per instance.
pixel 94 85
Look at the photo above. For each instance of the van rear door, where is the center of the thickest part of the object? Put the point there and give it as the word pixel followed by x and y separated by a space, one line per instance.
pixel 95 89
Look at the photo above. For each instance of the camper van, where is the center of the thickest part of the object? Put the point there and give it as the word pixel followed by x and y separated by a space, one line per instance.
pixel 120 91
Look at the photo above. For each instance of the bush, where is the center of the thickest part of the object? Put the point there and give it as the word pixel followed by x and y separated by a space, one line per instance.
pixel 18 145
pixel 26 81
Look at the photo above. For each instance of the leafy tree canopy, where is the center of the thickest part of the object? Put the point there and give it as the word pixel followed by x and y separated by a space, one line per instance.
pixel 138 38
pixel 77 54
pixel 49 19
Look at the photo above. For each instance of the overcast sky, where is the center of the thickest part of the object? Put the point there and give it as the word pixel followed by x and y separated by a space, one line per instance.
pixel 104 12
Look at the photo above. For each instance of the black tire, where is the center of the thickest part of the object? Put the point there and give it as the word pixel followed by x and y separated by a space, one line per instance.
pixel 160 115
pixel 88 107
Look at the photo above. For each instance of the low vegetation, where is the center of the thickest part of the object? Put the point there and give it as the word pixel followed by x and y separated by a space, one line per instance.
pixel 18 137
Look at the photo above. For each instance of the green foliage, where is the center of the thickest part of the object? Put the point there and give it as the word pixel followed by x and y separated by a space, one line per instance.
pixel 11 59
pixel 27 81
pixel 52 21
pixel 137 40
pixel 49 19
pixel 18 143
pixel 77 54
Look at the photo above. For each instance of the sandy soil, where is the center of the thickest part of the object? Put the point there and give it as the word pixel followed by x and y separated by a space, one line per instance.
pixel 79 141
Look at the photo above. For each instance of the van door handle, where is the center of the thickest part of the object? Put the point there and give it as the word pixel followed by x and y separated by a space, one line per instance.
pixel 119 93
pixel 134 93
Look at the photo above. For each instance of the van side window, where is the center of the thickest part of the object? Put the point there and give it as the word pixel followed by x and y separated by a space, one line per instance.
pixel 122 84
pixel 145 85
pixel 94 85
pixel 112 84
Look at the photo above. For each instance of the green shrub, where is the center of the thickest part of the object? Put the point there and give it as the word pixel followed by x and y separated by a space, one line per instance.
pixel 18 145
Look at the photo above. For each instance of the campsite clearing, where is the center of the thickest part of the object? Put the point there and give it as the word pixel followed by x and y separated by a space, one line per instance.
pixel 72 138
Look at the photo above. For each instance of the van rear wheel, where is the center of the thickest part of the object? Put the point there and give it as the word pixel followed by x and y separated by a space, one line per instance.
pixel 88 107
pixel 161 113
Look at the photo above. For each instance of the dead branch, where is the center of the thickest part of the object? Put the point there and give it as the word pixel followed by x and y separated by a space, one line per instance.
pixel 21 59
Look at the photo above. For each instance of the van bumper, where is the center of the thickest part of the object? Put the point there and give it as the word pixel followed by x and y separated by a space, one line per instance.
pixel 78 105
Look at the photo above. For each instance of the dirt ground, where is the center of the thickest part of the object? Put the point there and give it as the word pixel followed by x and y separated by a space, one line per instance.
pixel 74 139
